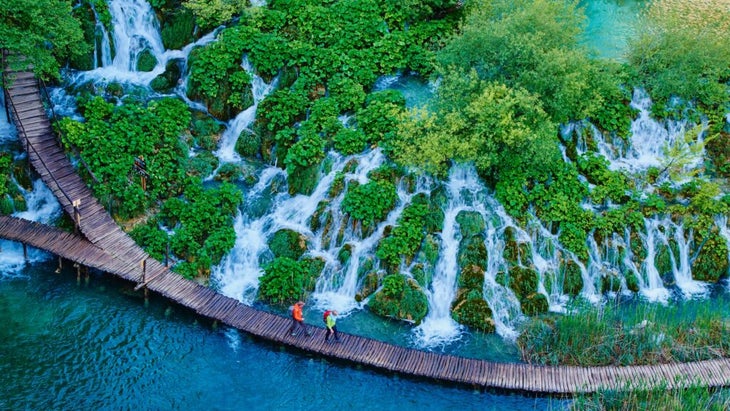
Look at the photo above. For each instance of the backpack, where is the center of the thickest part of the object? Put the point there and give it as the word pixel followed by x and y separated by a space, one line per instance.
pixel 326 314
pixel 291 310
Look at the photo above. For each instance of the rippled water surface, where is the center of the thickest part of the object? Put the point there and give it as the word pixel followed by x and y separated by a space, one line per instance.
pixel 69 346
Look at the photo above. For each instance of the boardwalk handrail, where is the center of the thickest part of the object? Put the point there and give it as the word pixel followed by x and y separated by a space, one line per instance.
pixel 19 124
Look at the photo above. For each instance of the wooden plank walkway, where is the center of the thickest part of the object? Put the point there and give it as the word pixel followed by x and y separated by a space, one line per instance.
pixel 105 246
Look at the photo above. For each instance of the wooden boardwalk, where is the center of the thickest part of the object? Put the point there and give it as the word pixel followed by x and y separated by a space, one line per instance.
pixel 103 245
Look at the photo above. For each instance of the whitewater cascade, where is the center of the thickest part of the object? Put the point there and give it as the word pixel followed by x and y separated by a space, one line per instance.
pixel 238 274
pixel 135 30
pixel 42 207
pixel 226 152
pixel 337 286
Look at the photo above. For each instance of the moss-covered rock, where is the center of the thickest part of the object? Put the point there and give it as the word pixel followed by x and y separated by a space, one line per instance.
pixel 572 278
pixel 401 298
pixel 203 164
pixel 610 281
pixel 523 281
pixel 534 304
pixel 146 61
pixel 343 256
pixel 248 144
pixel 429 251
pixel 369 285
pixel 515 252
pixel 168 79
pixel 472 251
pixel 229 172
pixel 474 313
pixel 288 243
pixel 303 180
pixel 471 223
pixel 711 263
pixel 422 274
pixel 471 277
pixel 632 281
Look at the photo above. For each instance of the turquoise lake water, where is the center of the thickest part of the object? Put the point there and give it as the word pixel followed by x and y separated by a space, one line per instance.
pixel 97 346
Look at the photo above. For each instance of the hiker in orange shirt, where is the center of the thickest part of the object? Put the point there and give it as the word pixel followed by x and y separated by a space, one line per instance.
pixel 297 319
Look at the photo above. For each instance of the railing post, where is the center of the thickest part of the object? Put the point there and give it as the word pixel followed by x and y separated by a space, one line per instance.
pixel 25 253
pixel 60 265
pixel 77 215
pixel 144 281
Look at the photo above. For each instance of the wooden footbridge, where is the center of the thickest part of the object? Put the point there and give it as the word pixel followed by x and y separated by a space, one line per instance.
pixel 100 243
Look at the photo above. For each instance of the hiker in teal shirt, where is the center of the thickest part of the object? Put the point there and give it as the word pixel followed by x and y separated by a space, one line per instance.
pixel 330 323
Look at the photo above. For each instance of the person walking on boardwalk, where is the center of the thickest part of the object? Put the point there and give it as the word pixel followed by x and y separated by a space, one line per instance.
pixel 331 323
pixel 298 319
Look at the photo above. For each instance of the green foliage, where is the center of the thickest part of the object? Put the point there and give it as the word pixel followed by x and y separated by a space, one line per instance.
pixel 350 141
pixel 683 51
pixel 152 238
pixel 288 243
pixel 211 13
pixel 306 152
pixel 203 224
pixel 489 124
pixel 533 45
pixel 113 136
pixel 370 202
pixel 216 75
pixel 405 239
pixel 40 35
pixel 608 335
pixel 178 29
pixel 401 298
pixel 285 280
pixel 639 395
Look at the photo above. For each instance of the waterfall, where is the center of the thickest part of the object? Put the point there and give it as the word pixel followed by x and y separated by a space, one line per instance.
pixel 665 230
pixel 649 140
pixel 136 30
pixel 102 44
pixel 41 205
pixel 466 193
pixel 337 286
pixel 227 148
pixel 651 285
pixel 237 275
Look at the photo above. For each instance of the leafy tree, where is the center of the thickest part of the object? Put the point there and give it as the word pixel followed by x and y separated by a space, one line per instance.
pixel 683 50
pixel 534 45
pixel 211 13
pixel 40 34
pixel 477 121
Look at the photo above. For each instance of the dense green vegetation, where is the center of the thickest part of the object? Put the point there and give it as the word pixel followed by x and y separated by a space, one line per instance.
pixel 615 335
pixel 637 396
pixel 510 74
pixel 44 32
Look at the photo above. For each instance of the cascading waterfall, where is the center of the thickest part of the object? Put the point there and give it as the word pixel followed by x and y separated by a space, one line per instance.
pixel 226 152
pixel 664 231
pixel 136 30
pixel 102 44
pixel 337 286
pixel 41 206
pixel 237 275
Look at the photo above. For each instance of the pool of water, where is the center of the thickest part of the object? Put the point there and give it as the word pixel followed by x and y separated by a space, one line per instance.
pixel 97 346
pixel 610 24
